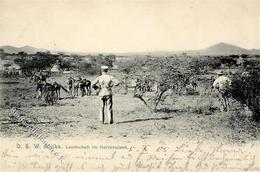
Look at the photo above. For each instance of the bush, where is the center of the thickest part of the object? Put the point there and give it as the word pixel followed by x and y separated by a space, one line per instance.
pixel 201 64
pixel 245 88
pixel 191 92
pixel 252 62
pixel 228 60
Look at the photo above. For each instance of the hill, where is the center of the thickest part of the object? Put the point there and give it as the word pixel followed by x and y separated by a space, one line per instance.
pixel 223 49
pixel 217 49
pixel 26 49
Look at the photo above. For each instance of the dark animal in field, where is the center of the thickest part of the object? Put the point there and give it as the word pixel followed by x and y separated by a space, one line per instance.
pixel 194 84
pixel 57 88
pixel 49 93
pixel 88 86
pixel 76 87
pixel 39 78
pixel 191 81
pixel 85 87
pixel 45 91
pixel 70 83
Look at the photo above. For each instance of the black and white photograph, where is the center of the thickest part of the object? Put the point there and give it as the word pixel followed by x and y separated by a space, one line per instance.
pixel 127 85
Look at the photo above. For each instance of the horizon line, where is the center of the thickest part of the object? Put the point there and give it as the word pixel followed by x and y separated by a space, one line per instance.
pixel 137 51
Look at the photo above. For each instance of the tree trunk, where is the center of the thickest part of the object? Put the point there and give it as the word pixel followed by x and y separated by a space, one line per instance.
pixel 158 100
pixel 141 98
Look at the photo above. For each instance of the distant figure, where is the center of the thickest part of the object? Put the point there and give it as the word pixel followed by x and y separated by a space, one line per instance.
pixel 39 89
pixel 36 78
pixel 70 85
pixel 105 82
pixel 221 84
pixel 76 86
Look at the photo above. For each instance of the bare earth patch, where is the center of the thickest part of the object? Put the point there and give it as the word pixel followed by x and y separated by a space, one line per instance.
pixel 78 117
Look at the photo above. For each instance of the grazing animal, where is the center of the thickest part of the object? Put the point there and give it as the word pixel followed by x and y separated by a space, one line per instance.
pixel 85 87
pixel 76 84
pixel 43 88
pixel 39 78
pixel 57 87
pixel 49 95
pixel 82 88
pixel 88 86
pixel 192 81
pixel 70 85
pixel 194 85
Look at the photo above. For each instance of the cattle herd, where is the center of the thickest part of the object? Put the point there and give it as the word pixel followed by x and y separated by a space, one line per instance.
pixel 50 92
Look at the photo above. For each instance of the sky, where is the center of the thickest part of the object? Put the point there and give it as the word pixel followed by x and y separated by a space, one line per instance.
pixel 129 26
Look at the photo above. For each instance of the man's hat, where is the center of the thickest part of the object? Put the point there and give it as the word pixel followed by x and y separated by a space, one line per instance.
pixel 104 67
pixel 220 72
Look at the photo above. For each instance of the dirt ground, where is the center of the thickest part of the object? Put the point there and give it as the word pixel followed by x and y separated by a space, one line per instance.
pixel 186 116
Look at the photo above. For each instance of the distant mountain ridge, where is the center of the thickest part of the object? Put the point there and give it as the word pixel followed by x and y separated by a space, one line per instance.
pixel 226 49
pixel 217 49
pixel 27 49
pixel 214 50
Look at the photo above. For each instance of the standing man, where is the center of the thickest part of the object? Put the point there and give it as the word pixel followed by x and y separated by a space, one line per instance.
pixel 105 83
pixel 222 84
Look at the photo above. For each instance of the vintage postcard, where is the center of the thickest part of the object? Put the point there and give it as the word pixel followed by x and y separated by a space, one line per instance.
pixel 129 85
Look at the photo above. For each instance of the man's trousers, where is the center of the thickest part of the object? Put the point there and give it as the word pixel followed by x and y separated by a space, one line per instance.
pixel 106 103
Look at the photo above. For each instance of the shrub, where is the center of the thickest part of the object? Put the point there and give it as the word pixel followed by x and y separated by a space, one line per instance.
pixel 201 64
pixel 191 92
pixel 228 60
pixel 245 88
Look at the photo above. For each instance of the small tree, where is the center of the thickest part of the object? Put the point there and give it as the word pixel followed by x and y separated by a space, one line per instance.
pixel 162 73
pixel 40 60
